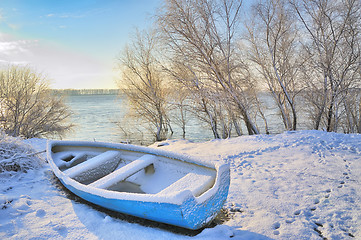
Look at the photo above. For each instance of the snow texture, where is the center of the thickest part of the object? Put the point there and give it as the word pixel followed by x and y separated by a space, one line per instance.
pixel 295 185
pixel 124 172
pixel 94 163
pixel 201 184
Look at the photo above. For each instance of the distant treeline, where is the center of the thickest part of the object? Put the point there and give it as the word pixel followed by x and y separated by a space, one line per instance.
pixel 74 92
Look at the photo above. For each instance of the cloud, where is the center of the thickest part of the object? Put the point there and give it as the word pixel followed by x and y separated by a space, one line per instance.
pixel 80 13
pixel 64 15
pixel 4 19
pixel 14 26
pixel 66 68
pixel 11 48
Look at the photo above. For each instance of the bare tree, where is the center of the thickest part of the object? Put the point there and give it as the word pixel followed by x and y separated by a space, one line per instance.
pixel 352 117
pixel 202 36
pixel 197 90
pixel 180 107
pixel 27 106
pixel 332 51
pixel 272 34
pixel 143 83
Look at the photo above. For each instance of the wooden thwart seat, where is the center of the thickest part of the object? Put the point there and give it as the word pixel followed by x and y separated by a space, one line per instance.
pixel 197 183
pixel 92 163
pixel 124 172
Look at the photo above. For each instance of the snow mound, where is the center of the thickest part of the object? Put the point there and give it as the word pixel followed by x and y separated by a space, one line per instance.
pixel 16 156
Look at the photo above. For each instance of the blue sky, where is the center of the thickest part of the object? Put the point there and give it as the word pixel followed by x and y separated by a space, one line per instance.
pixel 74 42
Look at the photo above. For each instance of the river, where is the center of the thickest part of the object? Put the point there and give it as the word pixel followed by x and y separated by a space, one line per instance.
pixel 95 117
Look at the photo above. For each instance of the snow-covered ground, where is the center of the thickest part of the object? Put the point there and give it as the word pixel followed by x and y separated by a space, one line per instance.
pixel 295 185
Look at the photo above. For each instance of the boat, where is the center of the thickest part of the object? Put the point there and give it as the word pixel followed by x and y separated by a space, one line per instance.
pixel 145 182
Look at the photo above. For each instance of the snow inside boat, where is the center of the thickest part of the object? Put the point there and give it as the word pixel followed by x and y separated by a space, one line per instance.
pixel 140 181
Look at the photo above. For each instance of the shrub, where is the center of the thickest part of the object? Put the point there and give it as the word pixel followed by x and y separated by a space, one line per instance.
pixel 27 106
pixel 15 155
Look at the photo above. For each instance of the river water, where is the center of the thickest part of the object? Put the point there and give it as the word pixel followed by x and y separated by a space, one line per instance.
pixel 95 117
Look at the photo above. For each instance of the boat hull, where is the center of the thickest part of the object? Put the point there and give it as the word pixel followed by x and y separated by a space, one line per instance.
pixel 183 210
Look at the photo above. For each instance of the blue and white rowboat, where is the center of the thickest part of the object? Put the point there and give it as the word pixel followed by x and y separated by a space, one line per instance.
pixel 144 182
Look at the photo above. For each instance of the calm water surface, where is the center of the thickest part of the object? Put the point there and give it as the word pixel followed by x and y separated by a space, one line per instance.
pixel 95 117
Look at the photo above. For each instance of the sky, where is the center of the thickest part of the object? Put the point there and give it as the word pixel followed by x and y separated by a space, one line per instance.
pixel 74 43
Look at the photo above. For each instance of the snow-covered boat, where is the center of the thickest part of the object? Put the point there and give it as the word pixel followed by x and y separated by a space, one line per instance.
pixel 140 181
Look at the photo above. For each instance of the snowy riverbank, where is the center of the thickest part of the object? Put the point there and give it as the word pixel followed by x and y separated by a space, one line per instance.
pixel 295 185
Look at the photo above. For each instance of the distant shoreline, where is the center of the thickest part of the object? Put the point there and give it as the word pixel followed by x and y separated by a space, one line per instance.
pixel 77 92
